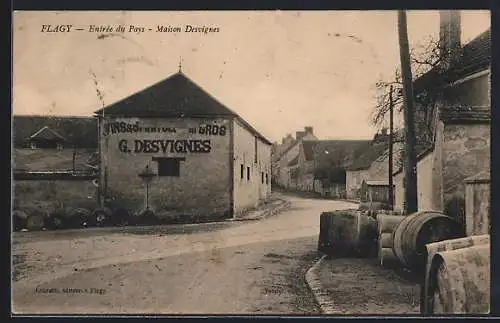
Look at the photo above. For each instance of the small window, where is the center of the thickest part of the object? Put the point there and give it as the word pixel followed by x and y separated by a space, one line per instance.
pixel 267 179
pixel 248 173
pixel 262 177
pixel 256 149
pixel 242 171
pixel 169 166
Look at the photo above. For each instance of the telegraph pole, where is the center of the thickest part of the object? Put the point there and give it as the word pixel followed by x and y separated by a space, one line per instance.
pixel 391 139
pixel 410 165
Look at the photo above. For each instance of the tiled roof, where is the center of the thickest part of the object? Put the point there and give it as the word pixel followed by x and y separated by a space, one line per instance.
pixel 474 56
pixel 332 150
pixel 82 131
pixel 368 155
pixel 174 97
pixel 466 115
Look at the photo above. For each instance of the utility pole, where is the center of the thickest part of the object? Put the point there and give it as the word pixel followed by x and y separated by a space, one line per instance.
pixel 391 139
pixel 410 165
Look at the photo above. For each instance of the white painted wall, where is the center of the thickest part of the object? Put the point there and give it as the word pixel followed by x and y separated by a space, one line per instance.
pixel 248 193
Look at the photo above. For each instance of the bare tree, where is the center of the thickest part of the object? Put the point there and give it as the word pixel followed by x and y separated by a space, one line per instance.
pixel 424 57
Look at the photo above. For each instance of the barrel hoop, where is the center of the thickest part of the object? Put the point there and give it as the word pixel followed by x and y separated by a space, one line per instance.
pixel 412 231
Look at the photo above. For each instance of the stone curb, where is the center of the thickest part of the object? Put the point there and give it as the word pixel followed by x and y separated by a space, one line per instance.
pixel 325 303
pixel 266 213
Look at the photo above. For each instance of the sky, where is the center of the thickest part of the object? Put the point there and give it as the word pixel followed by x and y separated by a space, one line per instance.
pixel 279 70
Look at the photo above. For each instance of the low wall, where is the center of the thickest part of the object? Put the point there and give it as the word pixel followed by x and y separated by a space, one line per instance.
pixel 71 193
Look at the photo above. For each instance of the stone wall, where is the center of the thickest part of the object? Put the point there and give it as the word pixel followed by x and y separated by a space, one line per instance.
pixel 466 152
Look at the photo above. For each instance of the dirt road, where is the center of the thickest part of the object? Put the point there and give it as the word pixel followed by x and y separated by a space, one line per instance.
pixel 255 267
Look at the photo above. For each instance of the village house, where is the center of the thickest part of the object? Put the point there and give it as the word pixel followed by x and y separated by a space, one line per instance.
pixel 52 132
pixel 288 161
pixel 203 160
pixel 322 163
pixel 458 116
pixel 277 151
pixel 371 163
pixel 46 138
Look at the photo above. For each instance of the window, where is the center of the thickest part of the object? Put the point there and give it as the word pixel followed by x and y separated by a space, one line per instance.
pixel 242 171
pixel 169 166
pixel 267 179
pixel 262 177
pixel 255 148
pixel 248 173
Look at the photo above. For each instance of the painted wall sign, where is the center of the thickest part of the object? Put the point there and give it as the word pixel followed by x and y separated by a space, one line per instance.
pixel 166 146
pixel 212 130
pixel 125 127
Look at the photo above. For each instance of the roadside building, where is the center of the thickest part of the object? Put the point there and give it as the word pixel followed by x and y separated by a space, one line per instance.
pixel 287 168
pixel 457 116
pixel 322 165
pixel 206 161
pixel 277 151
pixel 370 163
pixel 375 191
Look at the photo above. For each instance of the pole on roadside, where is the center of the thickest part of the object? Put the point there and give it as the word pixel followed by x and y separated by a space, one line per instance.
pixel 410 165
pixel 391 140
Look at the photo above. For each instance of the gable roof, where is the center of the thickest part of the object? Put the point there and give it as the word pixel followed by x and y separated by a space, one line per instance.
pixel 81 131
pixel 368 155
pixel 45 133
pixel 177 96
pixel 475 56
pixel 327 151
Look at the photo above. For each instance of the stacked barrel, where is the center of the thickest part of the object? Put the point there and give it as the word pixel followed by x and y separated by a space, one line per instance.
pixel 386 224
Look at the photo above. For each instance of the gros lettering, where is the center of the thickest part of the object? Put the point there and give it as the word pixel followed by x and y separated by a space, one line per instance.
pixel 183 146
pixel 212 130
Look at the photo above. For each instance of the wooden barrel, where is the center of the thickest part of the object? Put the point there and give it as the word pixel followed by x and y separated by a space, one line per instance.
pixel 397 237
pixel 100 216
pixel 388 259
pixel 460 281
pixel 387 223
pixel 19 219
pixel 432 249
pixel 36 216
pixel 351 234
pixel 323 232
pixel 386 240
pixel 418 229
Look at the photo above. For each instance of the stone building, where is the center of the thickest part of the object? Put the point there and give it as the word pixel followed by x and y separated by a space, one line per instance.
pixel 458 116
pixel 287 163
pixel 207 162
pixel 322 165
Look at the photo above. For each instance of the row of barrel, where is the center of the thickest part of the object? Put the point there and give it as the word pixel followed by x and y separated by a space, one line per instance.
pixel 39 216
pixel 453 269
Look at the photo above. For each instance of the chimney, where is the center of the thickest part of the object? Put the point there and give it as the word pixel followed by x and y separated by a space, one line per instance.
pixel 309 130
pixel 299 134
pixel 449 36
